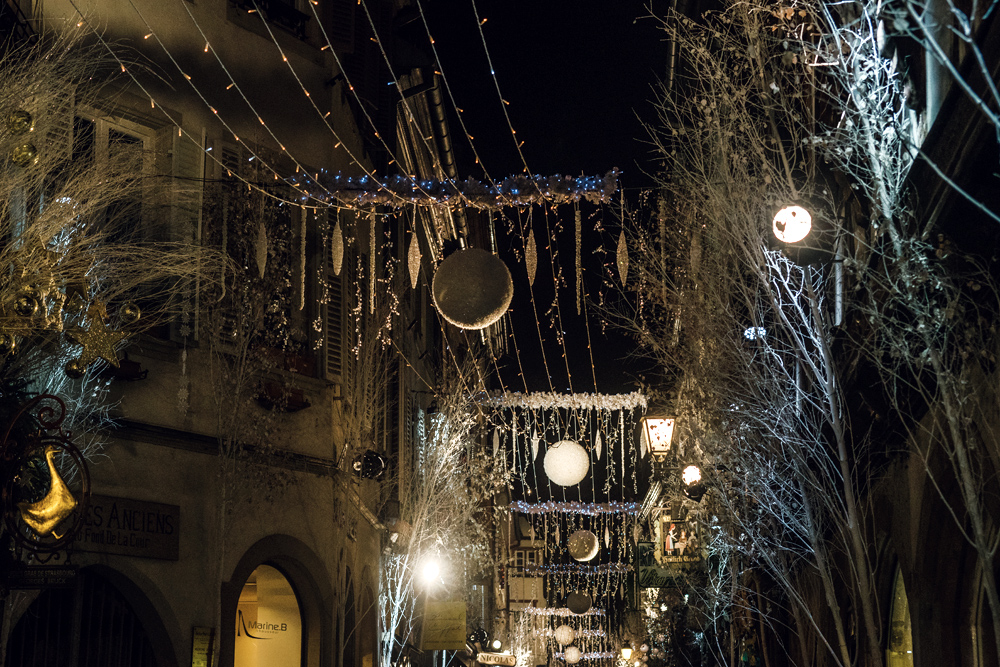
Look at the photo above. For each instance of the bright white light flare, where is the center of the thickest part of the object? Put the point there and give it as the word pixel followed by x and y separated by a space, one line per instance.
pixel 792 224
pixel 691 475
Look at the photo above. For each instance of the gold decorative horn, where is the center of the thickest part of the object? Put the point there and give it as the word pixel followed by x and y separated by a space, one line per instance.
pixel 44 515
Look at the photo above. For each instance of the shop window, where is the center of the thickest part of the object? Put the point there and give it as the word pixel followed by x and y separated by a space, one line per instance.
pixel 900 650
pixel 268 622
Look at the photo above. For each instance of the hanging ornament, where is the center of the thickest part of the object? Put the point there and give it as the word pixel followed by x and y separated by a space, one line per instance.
pixel 607 537
pixel 642 448
pixel 24 154
pixel 566 463
pixel 472 288
pixel 573 655
pixel 496 443
pixel 565 635
pixel 18 121
pixel 558 535
pixel 260 248
pixel 8 343
pixel 129 313
pixel 534 445
pixel 579 262
pixel 583 546
pixel 98 342
pixel 578 603
pixel 530 257
pixel 337 247
pixel 622 258
pixel 598 445
pixel 413 260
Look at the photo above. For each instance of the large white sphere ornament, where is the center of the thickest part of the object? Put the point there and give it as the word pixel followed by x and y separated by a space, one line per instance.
pixel 566 463
pixel 565 635
pixel 583 545
pixel 573 655
pixel 792 224
pixel 472 288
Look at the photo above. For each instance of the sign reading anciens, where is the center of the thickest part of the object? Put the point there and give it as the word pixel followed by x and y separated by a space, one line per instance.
pixel 129 527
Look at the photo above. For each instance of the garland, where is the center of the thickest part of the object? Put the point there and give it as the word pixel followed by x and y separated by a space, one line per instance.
pixel 398 191
pixel 577 569
pixel 592 655
pixel 582 632
pixel 551 401
pixel 573 507
pixel 560 611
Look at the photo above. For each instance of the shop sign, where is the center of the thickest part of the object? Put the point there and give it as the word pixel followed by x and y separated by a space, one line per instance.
pixel 35 577
pixel 505 659
pixel 202 640
pixel 443 625
pixel 128 527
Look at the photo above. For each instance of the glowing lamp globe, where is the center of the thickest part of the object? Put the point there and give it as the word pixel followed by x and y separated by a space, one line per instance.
pixel 573 655
pixel 691 475
pixel 583 545
pixel 566 463
pixel 626 652
pixel 565 635
pixel 791 224
pixel 472 288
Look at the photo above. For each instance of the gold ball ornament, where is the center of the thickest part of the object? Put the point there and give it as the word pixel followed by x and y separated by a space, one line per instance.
pixel 26 303
pixel 130 312
pixel 24 155
pixel 573 655
pixel 18 121
pixel 74 369
pixel 7 343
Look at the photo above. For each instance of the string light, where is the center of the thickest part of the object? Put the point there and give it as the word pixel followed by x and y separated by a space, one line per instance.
pixel 560 611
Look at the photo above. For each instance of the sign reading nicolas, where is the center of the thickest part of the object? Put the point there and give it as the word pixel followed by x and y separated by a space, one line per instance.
pixel 504 659
pixel 129 527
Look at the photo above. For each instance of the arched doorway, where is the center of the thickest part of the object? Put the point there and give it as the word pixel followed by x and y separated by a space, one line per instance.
pixel 91 623
pixel 268 622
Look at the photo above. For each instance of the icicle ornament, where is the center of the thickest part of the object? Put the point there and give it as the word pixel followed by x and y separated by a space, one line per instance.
pixel 337 247
pixel 260 249
pixel 530 257
pixel 622 257
pixel 598 445
pixel 413 260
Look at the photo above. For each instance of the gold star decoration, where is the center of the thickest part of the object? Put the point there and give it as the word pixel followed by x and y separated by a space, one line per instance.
pixel 98 341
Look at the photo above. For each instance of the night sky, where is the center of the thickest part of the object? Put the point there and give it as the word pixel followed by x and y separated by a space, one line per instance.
pixel 579 76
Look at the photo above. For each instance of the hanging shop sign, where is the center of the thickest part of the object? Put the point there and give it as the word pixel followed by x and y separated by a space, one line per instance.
pixel 443 625
pixel 128 527
pixel 649 572
pixel 505 659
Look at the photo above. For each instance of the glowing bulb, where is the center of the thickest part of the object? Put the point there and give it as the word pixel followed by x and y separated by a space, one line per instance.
pixel 792 224
pixel 431 571
pixel 691 475
pixel 626 652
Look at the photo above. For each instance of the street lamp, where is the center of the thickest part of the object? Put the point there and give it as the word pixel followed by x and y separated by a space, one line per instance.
pixel 804 234
pixel 626 652
pixel 657 435
pixel 431 572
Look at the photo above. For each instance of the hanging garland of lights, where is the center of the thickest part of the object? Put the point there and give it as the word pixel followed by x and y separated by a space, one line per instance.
pixel 578 632
pixel 573 507
pixel 545 400
pixel 570 568
pixel 399 190
pixel 591 655
pixel 560 611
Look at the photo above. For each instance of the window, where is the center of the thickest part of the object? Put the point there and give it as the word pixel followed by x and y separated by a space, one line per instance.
pixel 268 622
pixel 526 558
pixel 900 650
